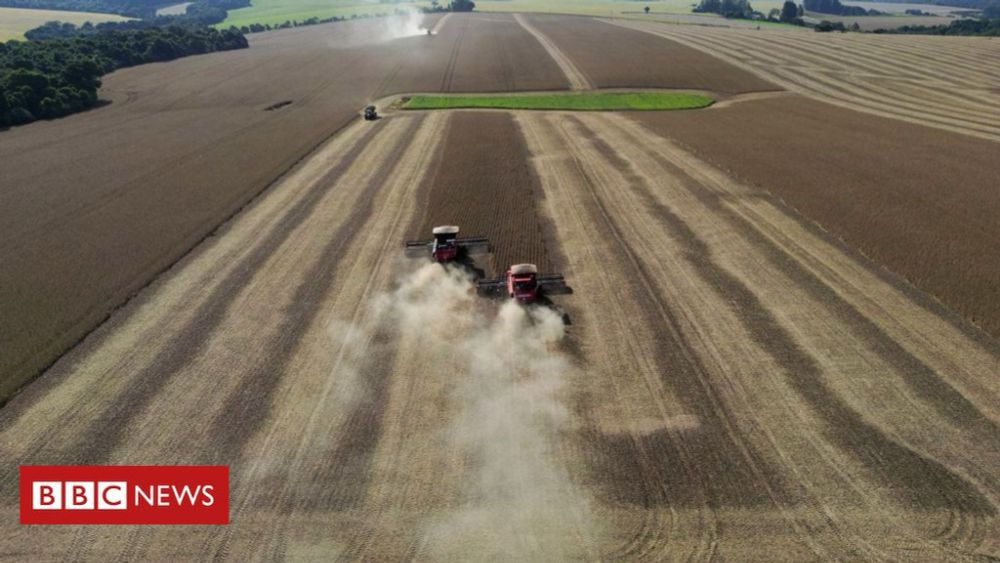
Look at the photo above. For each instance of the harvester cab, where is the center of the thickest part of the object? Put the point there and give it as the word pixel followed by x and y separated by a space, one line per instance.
pixel 370 113
pixel 446 246
pixel 523 283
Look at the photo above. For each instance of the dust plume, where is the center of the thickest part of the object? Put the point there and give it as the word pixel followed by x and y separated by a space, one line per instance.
pixel 519 502
pixel 405 22
pixel 504 413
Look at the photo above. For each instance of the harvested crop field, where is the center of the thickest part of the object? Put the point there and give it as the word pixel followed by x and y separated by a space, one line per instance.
pixel 944 82
pixel 922 202
pixel 186 144
pixel 612 59
pixel 726 380
pixel 725 386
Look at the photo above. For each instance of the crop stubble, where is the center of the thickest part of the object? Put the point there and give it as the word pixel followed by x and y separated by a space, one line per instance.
pixel 742 386
pixel 610 58
pixel 920 201
pixel 736 374
pixel 943 82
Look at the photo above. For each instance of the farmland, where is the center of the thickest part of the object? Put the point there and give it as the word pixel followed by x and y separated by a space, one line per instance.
pixel 597 101
pixel 278 11
pixel 944 82
pixel 780 342
pixel 15 21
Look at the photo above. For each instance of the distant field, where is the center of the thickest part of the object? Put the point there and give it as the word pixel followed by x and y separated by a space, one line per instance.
pixel 669 11
pixel 678 11
pixel 870 23
pixel 657 8
pixel 173 9
pixel 901 7
pixel 15 21
pixel 278 11
pixel 561 101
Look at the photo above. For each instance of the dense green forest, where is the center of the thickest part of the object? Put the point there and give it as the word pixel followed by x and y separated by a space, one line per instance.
pixel 47 79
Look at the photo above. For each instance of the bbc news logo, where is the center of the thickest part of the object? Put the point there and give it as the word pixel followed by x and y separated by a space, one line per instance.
pixel 124 494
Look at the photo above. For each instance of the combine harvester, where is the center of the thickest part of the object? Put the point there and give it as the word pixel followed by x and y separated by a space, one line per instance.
pixel 446 246
pixel 523 283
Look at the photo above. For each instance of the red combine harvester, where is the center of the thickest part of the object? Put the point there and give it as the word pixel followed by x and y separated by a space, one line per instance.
pixel 523 282
pixel 446 246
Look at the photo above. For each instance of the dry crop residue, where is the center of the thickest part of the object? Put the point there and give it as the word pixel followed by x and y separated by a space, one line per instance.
pixel 920 201
pixel 612 57
pixel 734 383
pixel 942 82
pixel 94 206
pixel 750 388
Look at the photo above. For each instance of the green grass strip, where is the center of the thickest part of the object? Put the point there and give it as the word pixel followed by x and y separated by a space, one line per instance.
pixel 593 101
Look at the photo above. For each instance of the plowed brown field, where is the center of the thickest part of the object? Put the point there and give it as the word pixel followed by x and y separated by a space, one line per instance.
pixel 733 383
pixel 944 82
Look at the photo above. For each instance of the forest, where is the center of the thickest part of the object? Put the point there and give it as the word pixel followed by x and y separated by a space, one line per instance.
pixel 57 77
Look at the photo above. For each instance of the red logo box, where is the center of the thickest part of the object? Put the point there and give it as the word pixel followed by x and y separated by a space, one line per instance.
pixel 124 494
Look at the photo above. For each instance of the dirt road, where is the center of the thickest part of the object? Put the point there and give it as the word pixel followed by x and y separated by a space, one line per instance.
pixel 732 383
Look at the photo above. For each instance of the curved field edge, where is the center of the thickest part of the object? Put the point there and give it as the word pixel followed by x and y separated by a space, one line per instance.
pixel 586 101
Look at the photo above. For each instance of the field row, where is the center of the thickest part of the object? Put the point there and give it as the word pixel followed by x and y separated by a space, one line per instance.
pixel 944 82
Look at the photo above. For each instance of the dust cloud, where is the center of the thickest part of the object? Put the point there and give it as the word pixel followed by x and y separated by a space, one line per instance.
pixel 508 374
pixel 404 23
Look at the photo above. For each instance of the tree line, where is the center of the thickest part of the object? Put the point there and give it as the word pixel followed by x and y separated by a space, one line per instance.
pixel 53 78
